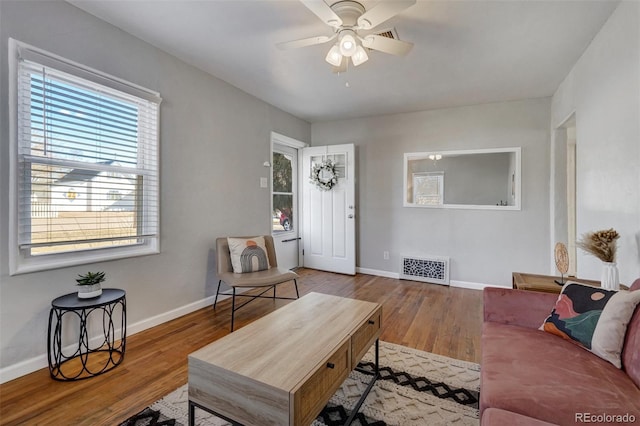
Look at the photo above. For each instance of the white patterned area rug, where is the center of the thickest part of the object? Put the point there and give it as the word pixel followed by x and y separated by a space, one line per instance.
pixel 415 388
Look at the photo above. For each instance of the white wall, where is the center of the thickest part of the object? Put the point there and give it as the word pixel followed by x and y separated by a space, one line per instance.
pixel 214 140
pixel 603 89
pixel 485 246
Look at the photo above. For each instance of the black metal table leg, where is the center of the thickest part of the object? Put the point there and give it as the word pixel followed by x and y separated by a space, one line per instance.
pixel 364 395
pixel 70 305
pixel 192 414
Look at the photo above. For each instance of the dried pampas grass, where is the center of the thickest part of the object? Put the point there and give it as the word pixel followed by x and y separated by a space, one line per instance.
pixel 601 244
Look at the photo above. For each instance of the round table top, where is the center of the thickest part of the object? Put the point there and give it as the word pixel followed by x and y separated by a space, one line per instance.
pixel 71 301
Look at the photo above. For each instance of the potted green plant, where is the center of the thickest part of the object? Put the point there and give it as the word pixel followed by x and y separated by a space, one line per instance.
pixel 89 284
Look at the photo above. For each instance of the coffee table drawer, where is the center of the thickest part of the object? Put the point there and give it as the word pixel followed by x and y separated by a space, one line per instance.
pixel 309 399
pixel 364 337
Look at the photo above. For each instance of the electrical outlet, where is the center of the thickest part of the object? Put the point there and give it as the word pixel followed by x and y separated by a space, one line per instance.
pixel 385 255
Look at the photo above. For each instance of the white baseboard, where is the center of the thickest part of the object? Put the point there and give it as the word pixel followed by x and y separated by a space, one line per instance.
pixel 171 315
pixel 376 272
pixel 38 362
pixel 469 285
pixel 22 368
pixel 395 275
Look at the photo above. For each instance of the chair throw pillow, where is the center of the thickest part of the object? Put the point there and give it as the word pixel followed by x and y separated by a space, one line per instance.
pixel 594 318
pixel 248 254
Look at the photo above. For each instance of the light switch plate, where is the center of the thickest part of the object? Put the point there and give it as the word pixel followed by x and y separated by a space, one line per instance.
pixel 263 182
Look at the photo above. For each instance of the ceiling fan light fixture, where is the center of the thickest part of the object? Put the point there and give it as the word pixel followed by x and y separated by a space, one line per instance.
pixel 360 56
pixel 365 24
pixel 334 57
pixel 347 18
pixel 348 45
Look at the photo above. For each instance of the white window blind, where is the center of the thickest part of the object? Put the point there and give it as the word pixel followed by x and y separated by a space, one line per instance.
pixel 87 161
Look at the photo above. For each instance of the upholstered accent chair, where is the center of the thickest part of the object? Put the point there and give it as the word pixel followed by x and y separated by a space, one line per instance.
pixel 266 279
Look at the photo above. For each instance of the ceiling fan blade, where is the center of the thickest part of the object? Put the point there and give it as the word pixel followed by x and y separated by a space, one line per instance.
pixel 387 45
pixel 382 12
pixel 305 42
pixel 324 12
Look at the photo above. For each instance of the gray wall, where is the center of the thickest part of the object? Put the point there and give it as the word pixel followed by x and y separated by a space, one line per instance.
pixel 214 140
pixel 485 246
pixel 603 91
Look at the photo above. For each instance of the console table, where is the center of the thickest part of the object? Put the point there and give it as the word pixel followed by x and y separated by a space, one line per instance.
pixel 283 368
pixel 546 283
pixel 87 360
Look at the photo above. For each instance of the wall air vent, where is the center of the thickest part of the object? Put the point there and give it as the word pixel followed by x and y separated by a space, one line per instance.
pixel 430 269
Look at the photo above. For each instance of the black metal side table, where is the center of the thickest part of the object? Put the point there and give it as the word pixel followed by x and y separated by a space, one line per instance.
pixel 87 359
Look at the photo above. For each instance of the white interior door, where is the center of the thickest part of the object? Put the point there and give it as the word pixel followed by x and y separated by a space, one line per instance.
pixel 329 215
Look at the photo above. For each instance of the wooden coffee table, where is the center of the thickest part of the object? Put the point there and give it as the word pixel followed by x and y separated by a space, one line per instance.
pixel 283 368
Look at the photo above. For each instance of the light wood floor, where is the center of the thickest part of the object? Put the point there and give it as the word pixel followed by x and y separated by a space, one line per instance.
pixel 428 317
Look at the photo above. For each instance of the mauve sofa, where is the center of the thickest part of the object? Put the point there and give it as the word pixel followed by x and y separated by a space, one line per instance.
pixel 529 377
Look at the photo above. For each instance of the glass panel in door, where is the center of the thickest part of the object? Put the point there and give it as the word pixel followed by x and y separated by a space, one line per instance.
pixel 283 199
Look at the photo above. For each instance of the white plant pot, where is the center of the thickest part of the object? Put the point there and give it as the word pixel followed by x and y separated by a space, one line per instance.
pixel 89 291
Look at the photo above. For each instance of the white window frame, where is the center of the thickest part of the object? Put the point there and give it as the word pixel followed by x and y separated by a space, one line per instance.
pixel 20 260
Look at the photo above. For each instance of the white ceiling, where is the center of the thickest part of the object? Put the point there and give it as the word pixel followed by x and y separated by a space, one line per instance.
pixel 465 53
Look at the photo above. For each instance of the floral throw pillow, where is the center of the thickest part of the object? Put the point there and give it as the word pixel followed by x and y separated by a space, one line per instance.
pixel 594 318
pixel 248 254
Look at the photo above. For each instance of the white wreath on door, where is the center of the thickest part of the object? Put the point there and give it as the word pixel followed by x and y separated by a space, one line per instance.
pixel 324 175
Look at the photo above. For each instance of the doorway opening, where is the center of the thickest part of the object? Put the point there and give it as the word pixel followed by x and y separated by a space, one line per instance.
pixel 564 194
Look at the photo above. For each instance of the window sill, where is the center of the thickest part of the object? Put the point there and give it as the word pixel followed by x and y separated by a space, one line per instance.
pixel 24 265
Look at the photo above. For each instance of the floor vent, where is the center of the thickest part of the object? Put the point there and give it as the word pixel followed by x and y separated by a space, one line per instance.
pixel 430 269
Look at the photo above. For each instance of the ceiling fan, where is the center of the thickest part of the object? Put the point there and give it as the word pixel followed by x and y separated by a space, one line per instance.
pixel 349 19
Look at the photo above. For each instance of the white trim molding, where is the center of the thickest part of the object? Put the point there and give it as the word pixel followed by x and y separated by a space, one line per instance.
pixel 452 283
pixel 286 140
pixel 378 273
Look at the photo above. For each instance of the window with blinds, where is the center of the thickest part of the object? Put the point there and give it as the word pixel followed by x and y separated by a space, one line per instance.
pixel 87 160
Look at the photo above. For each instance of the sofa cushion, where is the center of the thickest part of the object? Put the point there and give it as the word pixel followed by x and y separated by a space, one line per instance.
pixel 248 254
pixel 535 374
pixel 497 417
pixel 594 317
pixel 631 351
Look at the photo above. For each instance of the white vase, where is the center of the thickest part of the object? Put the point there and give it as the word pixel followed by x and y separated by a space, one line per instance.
pixel 610 279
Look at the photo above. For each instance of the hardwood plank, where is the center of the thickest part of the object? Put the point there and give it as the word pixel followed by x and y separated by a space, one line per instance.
pixel 433 318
